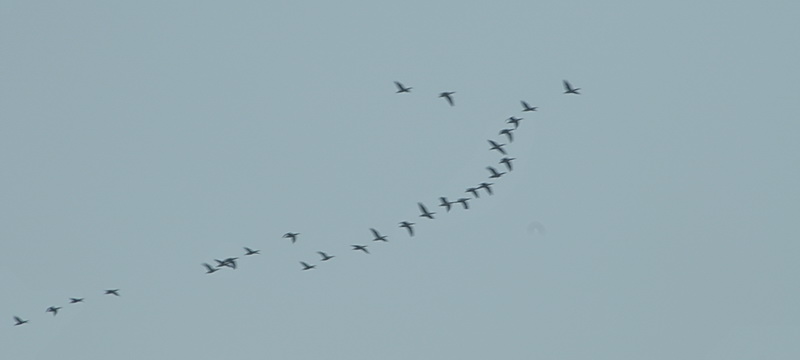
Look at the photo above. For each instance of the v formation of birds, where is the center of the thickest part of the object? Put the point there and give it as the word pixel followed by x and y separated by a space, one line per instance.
pixel 475 191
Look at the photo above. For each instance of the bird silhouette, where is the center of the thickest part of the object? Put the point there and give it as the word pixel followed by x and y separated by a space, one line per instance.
pixel 53 309
pixel 463 202
pixel 486 186
pixel 507 162
pixel 448 95
pixel 474 192
pixel 526 107
pixel 306 266
pixel 210 269
pixel 409 226
pixel 496 146
pixel 361 247
pixel 494 172
pixel 425 212
pixel 515 121
pixel 250 251
pixel 19 321
pixel 112 292
pixel 444 203
pixel 401 89
pixel 508 134
pixel 229 262
pixel 292 236
pixel 568 89
pixel 377 235
pixel 325 257
pixel 75 300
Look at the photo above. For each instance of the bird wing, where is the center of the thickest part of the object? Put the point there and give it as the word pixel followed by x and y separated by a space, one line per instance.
pixel 492 170
pixel 375 232
pixel 567 85
pixel 525 105
pixel 399 85
pixel 494 144
pixel 422 208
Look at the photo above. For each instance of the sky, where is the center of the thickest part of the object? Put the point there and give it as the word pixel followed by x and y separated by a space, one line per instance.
pixel 651 217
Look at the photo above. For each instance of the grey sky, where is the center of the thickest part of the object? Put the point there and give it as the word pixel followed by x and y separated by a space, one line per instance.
pixel 140 140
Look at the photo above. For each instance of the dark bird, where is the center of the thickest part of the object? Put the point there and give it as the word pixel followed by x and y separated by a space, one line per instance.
pixel 250 251
pixel 112 292
pixel 408 226
pixel 568 89
pixel 19 321
pixel 292 236
pixel 463 202
pixel 53 309
pixel 494 172
pixel 401 89
pixel 210 269
pixel 306 266
pixel 425 212
pixel 507 162
pixel 446 204
pixel 377 235
pixel 486 186
pixel 361 247
pixel 496 146
pixel 508 133
pixel 229 262
pixel 474 192
pixel 526 107
pixel 325 257
pixel 75 300
pixel 448 95
pixel 515 121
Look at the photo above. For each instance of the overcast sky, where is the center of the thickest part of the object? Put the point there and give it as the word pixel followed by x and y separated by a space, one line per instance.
pixel 654 216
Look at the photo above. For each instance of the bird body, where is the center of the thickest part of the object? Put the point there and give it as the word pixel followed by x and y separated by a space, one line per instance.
pixel 486 186
pixel 444 203
pixel 114 292
pixel 210 269
pixel 425 212
pixel 361 247
pixel 250 251
pixel 401 88
pixel 496 146
pixel 507 162
pixel 474 192
pixel 526 107
pixel 292 236
pixel 409 226
pixel 377 235
pixel 19 321
pixel 495 173
pixel 325 257
pixel 568 89
pixel 508 134
pixel 449 96
pixel 307 266
pixel 515 121
pixel 463 202
pixel 75 300
pixel 53 309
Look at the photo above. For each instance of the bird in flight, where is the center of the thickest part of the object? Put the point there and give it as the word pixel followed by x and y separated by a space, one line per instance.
pixel 19 321
pixel 75 300
pixel 448 95
pixel 568 89
pixel 112 292
pixel 444 203
pixel 486 186
pixel 425 212
pixel 377 235
pixel 306 266
pixel 401 88
pixel 474 192
pixel 210 269
pixel 496 146
pixel 494 172
pixel 408 226
pixel 53 309
pixel 508 133
pixel 229 262
pixel 463 202
pixel 361 247
pixel 526 107
pixel 507 162
pixel 515 121
pixel 250 251
pixel 292 236
pixel 325 257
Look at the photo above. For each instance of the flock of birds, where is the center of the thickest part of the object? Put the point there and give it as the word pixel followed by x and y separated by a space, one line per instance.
pixel 230 262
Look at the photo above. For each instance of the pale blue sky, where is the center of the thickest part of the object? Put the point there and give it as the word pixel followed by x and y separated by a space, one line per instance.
pixel 141 139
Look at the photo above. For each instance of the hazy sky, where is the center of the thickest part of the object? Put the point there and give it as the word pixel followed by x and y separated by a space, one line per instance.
pixel 140 139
